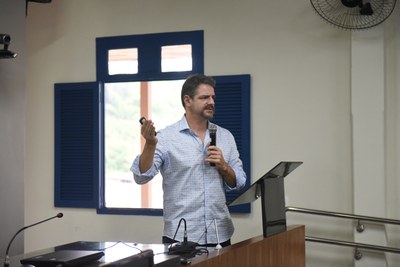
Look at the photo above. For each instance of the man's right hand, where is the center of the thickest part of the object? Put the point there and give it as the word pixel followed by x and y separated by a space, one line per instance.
pixel 148 132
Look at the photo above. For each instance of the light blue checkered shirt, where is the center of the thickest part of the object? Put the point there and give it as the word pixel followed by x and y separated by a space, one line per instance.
pixel 193 189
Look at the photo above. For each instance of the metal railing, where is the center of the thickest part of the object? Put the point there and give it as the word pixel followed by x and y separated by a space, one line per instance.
pixel 360 228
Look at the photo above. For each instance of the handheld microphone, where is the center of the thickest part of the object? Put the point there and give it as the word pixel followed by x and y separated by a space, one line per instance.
pixel 218 246
pixel 7 258
pixel 212 129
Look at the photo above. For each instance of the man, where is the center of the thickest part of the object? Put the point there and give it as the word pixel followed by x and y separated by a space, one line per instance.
pixel 193 189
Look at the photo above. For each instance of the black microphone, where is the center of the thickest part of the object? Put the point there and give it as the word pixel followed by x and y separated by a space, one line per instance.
pixel 7 258
pixel 212 129
pixel 185 247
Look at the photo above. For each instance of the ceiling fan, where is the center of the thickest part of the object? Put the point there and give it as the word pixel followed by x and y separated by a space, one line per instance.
pixel 354 14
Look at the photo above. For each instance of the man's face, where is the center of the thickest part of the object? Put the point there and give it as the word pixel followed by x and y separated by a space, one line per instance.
pixel 203 103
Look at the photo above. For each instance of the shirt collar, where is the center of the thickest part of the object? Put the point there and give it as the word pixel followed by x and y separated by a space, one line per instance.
pixel 183 124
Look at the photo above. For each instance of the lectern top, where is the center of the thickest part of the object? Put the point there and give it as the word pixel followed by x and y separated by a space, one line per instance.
pixel 281 170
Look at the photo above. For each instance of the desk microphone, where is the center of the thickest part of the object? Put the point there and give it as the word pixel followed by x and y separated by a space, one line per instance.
pixel 185 247
pixel 7 258
pixel 212 129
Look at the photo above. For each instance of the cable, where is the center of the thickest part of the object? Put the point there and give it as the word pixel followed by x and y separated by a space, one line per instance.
pixel 124 243
pixel 205 231
pixel 134 246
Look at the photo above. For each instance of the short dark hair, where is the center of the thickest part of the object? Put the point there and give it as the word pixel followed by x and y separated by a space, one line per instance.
pixel 189 87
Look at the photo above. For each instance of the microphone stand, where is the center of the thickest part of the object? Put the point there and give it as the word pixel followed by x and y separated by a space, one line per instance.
pixel 218 246
pixel 7 258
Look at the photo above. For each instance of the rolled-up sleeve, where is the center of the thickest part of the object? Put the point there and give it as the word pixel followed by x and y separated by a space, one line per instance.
pixel 158 161
pixel 240 178
pixel 233 159
pixel 142 178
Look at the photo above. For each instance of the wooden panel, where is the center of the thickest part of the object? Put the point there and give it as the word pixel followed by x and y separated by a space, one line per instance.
pixel 285 249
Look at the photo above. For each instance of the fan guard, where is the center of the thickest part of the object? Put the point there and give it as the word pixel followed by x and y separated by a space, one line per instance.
pixel 354 14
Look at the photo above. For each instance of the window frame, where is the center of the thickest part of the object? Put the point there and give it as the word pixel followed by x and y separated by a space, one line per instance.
pixel 149 55
pixel 103 44
pixel 149 69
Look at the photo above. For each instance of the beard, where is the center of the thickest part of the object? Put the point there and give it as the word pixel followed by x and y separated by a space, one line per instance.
pixel 208 112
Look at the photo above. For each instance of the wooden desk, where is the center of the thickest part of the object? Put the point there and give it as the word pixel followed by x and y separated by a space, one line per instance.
pixel 113 251
pixel 286 249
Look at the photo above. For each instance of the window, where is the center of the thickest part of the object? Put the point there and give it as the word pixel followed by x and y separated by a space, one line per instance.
pixel 161 56
pixel 124 103
pixel 123 61
pixel 176 58
pixel 137 75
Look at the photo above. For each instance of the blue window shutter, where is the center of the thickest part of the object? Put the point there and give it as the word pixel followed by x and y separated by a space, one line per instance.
pixel 233 113
pixel 76 144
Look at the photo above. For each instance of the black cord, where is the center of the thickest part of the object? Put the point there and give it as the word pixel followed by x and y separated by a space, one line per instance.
pixel 201 251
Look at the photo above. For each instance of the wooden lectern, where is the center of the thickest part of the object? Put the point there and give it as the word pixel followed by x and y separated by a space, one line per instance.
pixel 285 249
pixel 280 246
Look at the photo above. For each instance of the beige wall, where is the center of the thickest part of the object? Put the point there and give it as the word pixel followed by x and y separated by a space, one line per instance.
pixel 12 126
pixel 301 76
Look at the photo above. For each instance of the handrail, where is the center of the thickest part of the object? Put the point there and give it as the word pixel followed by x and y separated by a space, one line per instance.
pixel 360 228
pixel 343 215
pixel 352 244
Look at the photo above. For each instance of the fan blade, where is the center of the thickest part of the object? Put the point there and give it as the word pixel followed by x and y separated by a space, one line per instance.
pixel 366 9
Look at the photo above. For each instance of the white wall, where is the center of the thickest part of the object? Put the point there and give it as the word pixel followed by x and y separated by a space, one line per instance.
pixel 392 100
pixel 300 68
pixel 12 126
